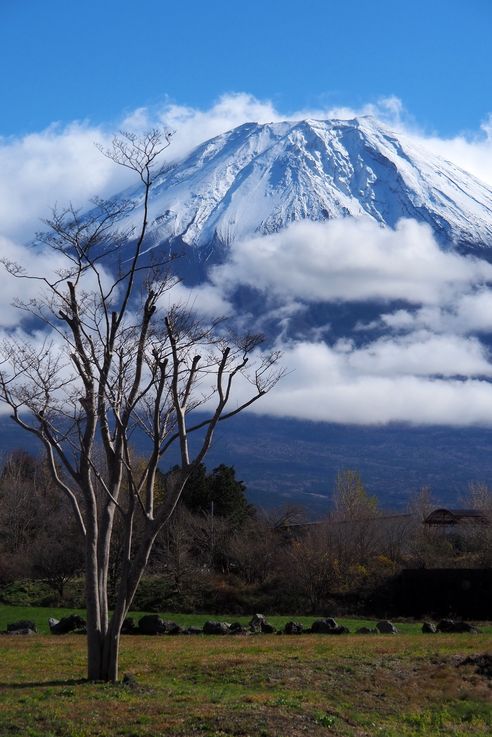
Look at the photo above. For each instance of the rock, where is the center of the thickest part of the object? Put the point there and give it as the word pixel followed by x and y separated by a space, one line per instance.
pixel 259 623
pixel 23 631
pixel 328 626
pixel 330 622
pixel 236 628
pixel 72 623
pixel 320 626
pixel 22 624
pixel 293 628
pixel 429 628
pixel 256 622
pixel 152 624
pixel 450 626
pixel 466 627
pixel 172 628
pixel 130 681
pixel 216 628
pixel 193 631
pixel 129 627
pixel 445 625
pixel 366 631
pixel 385 627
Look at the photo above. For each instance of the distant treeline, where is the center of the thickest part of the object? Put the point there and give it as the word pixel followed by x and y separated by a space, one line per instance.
pixel 220 554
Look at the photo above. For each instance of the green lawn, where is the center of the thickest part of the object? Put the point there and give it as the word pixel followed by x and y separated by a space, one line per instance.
pixel 260 686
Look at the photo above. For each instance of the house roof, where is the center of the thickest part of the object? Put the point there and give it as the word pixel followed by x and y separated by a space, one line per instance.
pixel 444 516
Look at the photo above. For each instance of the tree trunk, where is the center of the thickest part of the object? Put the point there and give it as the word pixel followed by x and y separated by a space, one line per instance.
pixel 94 633
pixel 103 654
pixel 110 655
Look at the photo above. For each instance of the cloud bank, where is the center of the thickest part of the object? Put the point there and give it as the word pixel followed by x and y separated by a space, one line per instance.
pixel 427 363
pixel 324 384
pixel 351 260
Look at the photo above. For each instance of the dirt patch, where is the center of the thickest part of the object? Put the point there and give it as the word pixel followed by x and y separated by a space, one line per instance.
pixel 481 663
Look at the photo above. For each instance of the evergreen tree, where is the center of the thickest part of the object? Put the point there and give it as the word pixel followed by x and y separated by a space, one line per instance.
pixel 218 492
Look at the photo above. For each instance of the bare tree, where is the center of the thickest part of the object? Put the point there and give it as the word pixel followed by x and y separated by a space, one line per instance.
pixel 113 362
pixel 312 568
pixel 350 498
pixel 421 504
pixel 479 496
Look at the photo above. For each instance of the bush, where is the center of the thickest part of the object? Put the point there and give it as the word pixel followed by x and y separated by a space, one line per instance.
pixel 27 592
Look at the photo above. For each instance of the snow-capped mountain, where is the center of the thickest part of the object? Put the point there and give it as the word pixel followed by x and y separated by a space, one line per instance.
pixel 259 178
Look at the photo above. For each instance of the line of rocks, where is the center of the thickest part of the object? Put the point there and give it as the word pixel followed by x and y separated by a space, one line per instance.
pixel 152 624
pixel 449 626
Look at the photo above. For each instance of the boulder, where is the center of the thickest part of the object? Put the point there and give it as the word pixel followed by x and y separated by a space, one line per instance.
pixel 429 628
pixel 293 628
pixel 216 628
pixel 258 623
pixel 129 681
pixel 152 624
pixel 193 631
pixel 450 626
pixel 385 627
pixel 236 628
pixel 72 623
pixel 22 624
pixel 467 627
pixel 129 627
pixel 328 626
pixel 330 622
pixel 445 625
pixel 172 628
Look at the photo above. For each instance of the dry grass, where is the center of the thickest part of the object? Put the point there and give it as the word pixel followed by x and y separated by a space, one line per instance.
pixel 265 686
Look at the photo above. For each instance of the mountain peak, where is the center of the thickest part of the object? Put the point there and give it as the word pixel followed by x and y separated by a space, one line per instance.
pixel 258 178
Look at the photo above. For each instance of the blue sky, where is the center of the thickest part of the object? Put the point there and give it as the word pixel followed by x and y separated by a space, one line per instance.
pixel 94 60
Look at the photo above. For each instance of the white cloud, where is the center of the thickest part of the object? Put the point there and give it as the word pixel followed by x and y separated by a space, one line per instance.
pixel 32 265
pixel 324 385
pixel 205 300
pixel 419 354
pixel 12 288
pixel 472 152
pixel 55 165
pixel 350 259
pixel 470 312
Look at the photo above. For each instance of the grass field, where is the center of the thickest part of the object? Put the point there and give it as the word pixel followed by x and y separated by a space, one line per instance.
pixel 260 686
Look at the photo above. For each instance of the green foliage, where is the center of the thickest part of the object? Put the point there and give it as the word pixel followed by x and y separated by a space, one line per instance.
pixel 27 593
pixel 40 594
pixel 350 497
pixel 218 491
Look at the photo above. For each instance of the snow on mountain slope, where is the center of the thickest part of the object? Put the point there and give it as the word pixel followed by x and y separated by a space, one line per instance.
pixel 259 178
